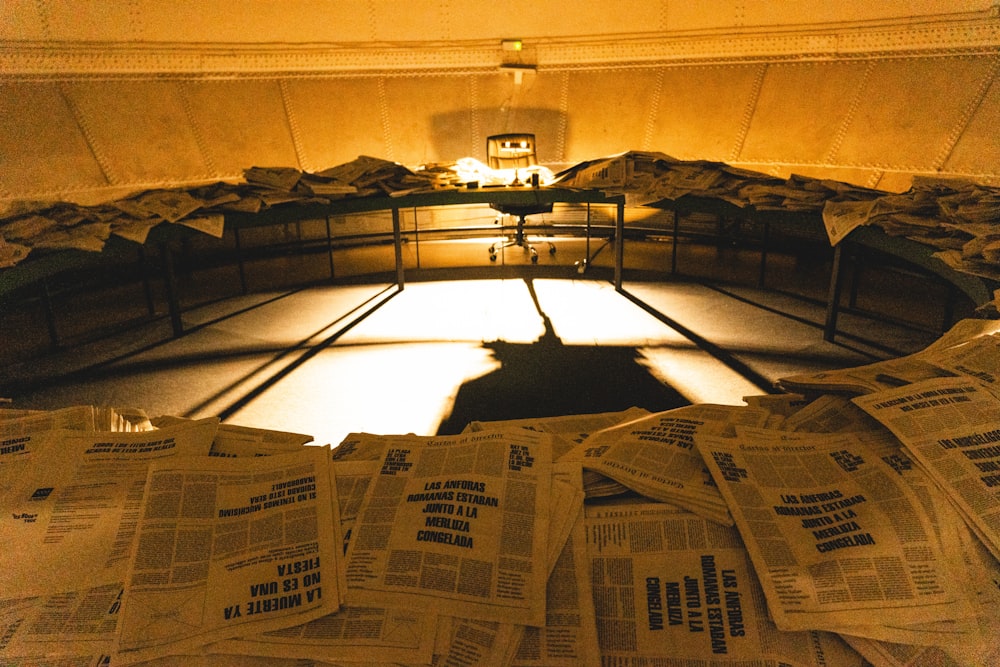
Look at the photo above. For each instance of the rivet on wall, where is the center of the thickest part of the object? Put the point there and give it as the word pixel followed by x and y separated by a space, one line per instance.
pixel 560 155
pixel 204 149
pixel 860 93
pixel 88 136
pixel 383 109
pixel 293 126
pixel 748 113
pixel 653 110
pixel 475 131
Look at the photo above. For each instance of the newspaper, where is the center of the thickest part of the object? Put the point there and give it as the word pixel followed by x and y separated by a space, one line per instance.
pixel 833 533
pixel 970 347
pixel 230 546
pixel 569 638
pixel 655 455
pixel 843 217
pixel 952 427
pixel 457 523
pixel 74 508
pixel 672 587
pixel 73 513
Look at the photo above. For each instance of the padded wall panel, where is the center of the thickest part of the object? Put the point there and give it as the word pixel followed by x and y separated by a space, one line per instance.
pixel 907 112
pixel 977 149
pixel 428 118
pixel 140 131
pixel 337 119
pixel 42 149
pixel 537 105
pixel 701 111
pixel 800 110
pixel 239 124
pixel 609 111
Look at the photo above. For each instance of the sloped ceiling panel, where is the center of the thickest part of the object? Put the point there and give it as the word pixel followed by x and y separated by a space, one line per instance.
pixel 702 111
pixel 138 130
pixel 238 124
pixel 977 148
pixel 799 112
pixel 43 152
pixel 335 120
pixel 907 111
pixel 100 100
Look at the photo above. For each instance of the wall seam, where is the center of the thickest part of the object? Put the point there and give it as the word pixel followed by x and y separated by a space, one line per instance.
pixel 196 132
pixel 965 118
pixel 748 112
pixel 852 110
pixel 293 126
pixel 383 109
pixel 654 111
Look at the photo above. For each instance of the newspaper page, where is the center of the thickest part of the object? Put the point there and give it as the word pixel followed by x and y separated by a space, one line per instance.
pixel 234 440
pixel 353 633
pixel 226 547
pixel 73 515
pixel 74 508
pixel 952 427
pixel 970 347
pixel 569 638
pixel 457 524
pixel 843 217
pixel 671 586
pixel 656 457
pixel 833 533
pixel 77 417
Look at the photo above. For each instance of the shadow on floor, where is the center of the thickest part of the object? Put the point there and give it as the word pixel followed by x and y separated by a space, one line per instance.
pixel 547 378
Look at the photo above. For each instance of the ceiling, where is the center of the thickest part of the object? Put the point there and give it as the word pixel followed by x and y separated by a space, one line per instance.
pixel 99 99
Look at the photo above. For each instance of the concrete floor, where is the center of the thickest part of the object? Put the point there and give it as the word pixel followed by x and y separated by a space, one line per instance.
pixel 329 360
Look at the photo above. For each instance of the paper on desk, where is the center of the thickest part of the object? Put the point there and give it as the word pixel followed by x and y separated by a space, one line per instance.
pixel 833 532
pixel 656 456
pixel 951 426
pixel 670 586
pixel 457 524
pixel 231 546
pixel 74 508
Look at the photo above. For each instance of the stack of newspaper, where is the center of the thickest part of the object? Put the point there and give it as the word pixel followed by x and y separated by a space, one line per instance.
pixel 852 521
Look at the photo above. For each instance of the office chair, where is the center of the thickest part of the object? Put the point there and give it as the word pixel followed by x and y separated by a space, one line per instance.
pixel 513 152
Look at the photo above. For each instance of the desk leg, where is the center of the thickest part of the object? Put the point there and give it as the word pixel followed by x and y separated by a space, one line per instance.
pixel 833 297
pixel 619 244
pixel 239 260
pixel 329 247
pixel 765 239
pixel 170 280
pixel 673 244
pixel 397 238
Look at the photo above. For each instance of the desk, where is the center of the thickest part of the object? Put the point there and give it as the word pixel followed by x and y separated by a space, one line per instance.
pixel 36 269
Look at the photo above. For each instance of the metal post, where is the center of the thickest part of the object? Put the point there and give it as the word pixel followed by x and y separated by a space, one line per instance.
pixel 239 261
pixel 763 251
pixel 329 245
pixel 397 237
pixel 833 297
pixel 673 246
pixel 146 284
pixel 619 243
pixel 50 315
pixel 416 237
pixel 170 280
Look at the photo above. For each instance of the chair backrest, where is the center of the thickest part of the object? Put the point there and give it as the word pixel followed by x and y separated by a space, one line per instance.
pixel 510 151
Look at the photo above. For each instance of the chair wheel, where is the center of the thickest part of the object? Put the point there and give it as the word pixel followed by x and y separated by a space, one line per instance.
pixel 534 259
pixel 552 250
pixel 493 257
